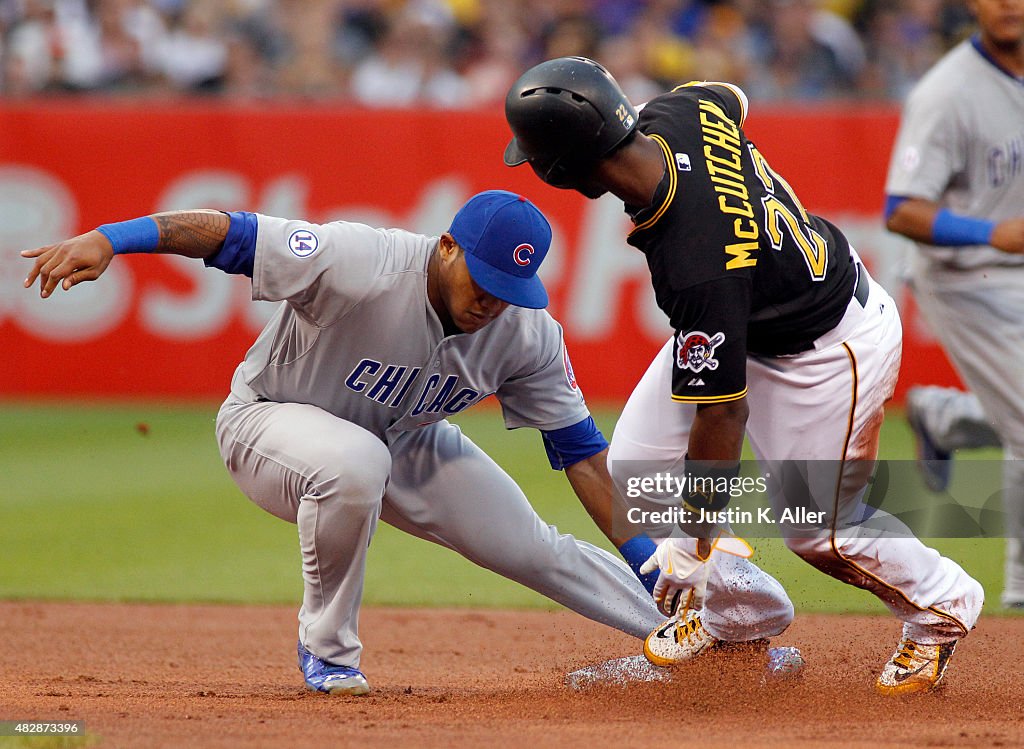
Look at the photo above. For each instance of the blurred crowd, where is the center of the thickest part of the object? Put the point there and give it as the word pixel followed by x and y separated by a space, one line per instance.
pixel 465 53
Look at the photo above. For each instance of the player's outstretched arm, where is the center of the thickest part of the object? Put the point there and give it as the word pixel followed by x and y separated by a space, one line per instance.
pixel 197 234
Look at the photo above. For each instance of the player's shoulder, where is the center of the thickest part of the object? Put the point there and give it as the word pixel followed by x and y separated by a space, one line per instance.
pixel 404 240
pixel 526 321
pixel 398 249
pixel 521 339
pixel 330 234
pixel 949 80
pixel 384 235
pixel 356 249
pixel 674 108
pixel 523 329
pixel 731 97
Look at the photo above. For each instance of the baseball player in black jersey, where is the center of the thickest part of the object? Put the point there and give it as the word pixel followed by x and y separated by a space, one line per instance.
pixel 780 335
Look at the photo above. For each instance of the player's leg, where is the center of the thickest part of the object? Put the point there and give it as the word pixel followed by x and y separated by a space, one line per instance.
pixel 954 418
pixel 327 475
pixel 816 432
pixel 741 602
pixel 945 419
pixel 447 490
pixel 979 328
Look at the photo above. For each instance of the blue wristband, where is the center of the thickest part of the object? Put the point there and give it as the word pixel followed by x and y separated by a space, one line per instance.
pixel 137 235
pixel 636 551
pixel 949 229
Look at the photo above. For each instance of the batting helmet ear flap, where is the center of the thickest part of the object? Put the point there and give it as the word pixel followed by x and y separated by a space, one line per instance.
pixel 565 115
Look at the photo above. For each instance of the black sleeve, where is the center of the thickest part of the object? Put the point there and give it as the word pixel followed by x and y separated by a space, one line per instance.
pixel 710 352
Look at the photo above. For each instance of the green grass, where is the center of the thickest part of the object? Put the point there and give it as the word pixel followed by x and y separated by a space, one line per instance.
pixel 131 502
pixel 48 742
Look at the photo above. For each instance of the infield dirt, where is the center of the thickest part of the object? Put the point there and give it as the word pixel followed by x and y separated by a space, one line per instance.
pixel 225 676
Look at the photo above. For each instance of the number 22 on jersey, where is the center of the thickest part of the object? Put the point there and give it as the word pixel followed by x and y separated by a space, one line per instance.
pixel 780 221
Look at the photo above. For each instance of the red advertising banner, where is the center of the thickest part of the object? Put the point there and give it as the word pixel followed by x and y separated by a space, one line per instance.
pixel 167 327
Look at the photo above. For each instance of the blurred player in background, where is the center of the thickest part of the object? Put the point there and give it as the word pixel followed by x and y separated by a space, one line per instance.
pixel 781 335
pixel 338 414
pixel 956 187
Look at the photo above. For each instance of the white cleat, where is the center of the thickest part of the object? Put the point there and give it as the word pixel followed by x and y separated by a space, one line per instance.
pixel 677 640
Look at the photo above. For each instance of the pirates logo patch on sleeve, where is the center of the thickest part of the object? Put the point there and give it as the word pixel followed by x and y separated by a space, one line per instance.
pixel 696 350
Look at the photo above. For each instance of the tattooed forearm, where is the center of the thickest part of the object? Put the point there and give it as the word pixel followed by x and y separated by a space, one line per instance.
pixel 197 234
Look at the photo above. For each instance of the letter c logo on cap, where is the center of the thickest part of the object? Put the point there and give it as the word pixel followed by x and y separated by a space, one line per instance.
pixel 521 254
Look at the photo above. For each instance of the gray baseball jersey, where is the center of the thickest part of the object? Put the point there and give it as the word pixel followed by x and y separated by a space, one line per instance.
pixel 359 338
pixel 961 144
pixel 337 418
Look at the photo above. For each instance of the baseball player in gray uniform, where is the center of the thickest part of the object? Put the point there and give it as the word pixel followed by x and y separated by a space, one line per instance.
pixel 337 415
pixel 956 187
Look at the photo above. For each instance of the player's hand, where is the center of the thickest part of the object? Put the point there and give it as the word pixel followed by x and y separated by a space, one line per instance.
pixel 81 258
pixel 684 567
pixel 1008 236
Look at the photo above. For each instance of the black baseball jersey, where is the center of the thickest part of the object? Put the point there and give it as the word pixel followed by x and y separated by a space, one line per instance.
pixel 737 264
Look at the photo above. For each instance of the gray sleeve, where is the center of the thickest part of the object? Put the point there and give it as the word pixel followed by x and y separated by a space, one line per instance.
pixel 930 148
pixel 321 270
pixel 544 393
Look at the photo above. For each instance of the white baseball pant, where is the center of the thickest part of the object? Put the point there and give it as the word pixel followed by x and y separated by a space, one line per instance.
pixel 821 409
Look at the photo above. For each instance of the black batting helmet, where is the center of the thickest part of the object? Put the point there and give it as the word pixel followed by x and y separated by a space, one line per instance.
pixel 566 114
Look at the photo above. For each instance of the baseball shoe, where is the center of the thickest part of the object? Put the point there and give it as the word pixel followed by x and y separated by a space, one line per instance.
pixel 325 677
pixel 679 639
pixel 915 667
pixel 934 463
pixel 683 638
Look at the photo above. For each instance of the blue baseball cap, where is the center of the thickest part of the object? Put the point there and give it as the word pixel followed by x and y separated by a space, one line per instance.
pixel 504 238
